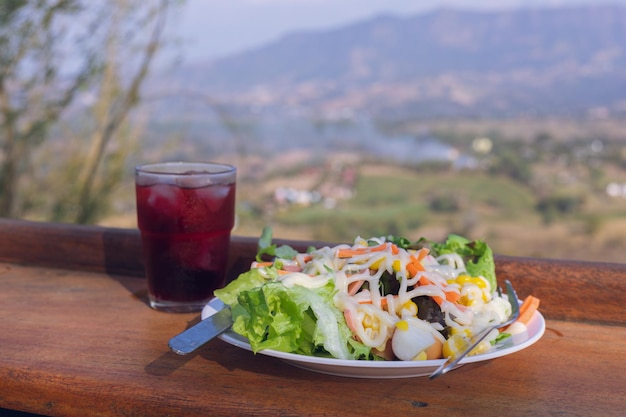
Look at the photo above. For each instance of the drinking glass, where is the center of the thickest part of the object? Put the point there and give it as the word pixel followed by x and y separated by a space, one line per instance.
pixel 185 213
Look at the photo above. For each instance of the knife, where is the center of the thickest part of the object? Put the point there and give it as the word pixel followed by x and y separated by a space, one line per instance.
pixel 200 333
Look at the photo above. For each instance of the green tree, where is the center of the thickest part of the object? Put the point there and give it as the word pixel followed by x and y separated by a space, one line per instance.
pixel 33 91
pixel 117 48
pixel 118 92
pixel 510 163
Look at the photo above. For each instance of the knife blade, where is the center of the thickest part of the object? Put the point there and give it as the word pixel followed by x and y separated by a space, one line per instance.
pixel 202 332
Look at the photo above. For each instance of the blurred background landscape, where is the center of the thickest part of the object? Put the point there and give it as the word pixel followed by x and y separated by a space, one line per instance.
pixel 504 121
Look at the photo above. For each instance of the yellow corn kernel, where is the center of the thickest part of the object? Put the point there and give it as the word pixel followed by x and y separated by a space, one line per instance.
pixel 396 265
pixel 421 356
pixel 371 322
pixel 459 330
pixel 455 344
pixel 463 279
pixel 479 282
pixel 458 342
pixel 410 307
pixel 482 347
pixel 376 265
pixel 466 301
pixel 471 295
pixel 402 325
pixel 466 279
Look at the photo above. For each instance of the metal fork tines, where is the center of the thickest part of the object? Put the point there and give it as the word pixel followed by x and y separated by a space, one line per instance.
pixel 452 361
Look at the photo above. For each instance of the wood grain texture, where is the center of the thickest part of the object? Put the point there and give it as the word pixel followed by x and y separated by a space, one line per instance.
pixel 78 339
pixel 77 344
pixel 569 290
pixel 89 248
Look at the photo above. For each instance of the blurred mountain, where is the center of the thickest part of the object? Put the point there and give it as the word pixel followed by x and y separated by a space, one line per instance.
pixel 558 61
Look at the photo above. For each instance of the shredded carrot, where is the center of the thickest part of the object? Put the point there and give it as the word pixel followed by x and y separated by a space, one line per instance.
pixel 438 300
pixel 453 296
pixel 527 309
pixel 424 281
pixel 415 263
pixel 383 301
pixel 421 254
pixel 279 271
pixel 353 287
pixel 412 268
pixel 349 253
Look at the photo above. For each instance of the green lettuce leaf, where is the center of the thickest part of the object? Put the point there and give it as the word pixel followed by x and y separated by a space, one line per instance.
pixel 246 281
pixel 266 247
pixel 476 254
pixel 291 319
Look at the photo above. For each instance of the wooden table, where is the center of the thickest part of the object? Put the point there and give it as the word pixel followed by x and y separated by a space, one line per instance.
pixel 78 339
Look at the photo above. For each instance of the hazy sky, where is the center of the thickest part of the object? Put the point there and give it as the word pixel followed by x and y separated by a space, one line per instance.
pixel 215 28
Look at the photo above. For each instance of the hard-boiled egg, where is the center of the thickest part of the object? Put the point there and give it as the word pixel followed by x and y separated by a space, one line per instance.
pixel 411 338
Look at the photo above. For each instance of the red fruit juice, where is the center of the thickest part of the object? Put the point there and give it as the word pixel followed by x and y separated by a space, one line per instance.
pixel 185 236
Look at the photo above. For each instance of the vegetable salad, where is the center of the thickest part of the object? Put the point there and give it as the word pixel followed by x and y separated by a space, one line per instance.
pixel 382 298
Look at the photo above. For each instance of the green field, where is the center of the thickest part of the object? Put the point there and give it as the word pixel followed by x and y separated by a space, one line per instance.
pixel 403 203
pixel 407 202
pixel 539 192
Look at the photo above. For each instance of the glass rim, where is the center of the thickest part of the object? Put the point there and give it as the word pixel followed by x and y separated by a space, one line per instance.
pixel 166 168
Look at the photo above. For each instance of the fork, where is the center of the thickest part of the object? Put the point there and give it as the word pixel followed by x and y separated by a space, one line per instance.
pixel 453 360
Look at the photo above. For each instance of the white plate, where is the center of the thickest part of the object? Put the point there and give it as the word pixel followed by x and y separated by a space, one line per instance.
pixel 382 369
